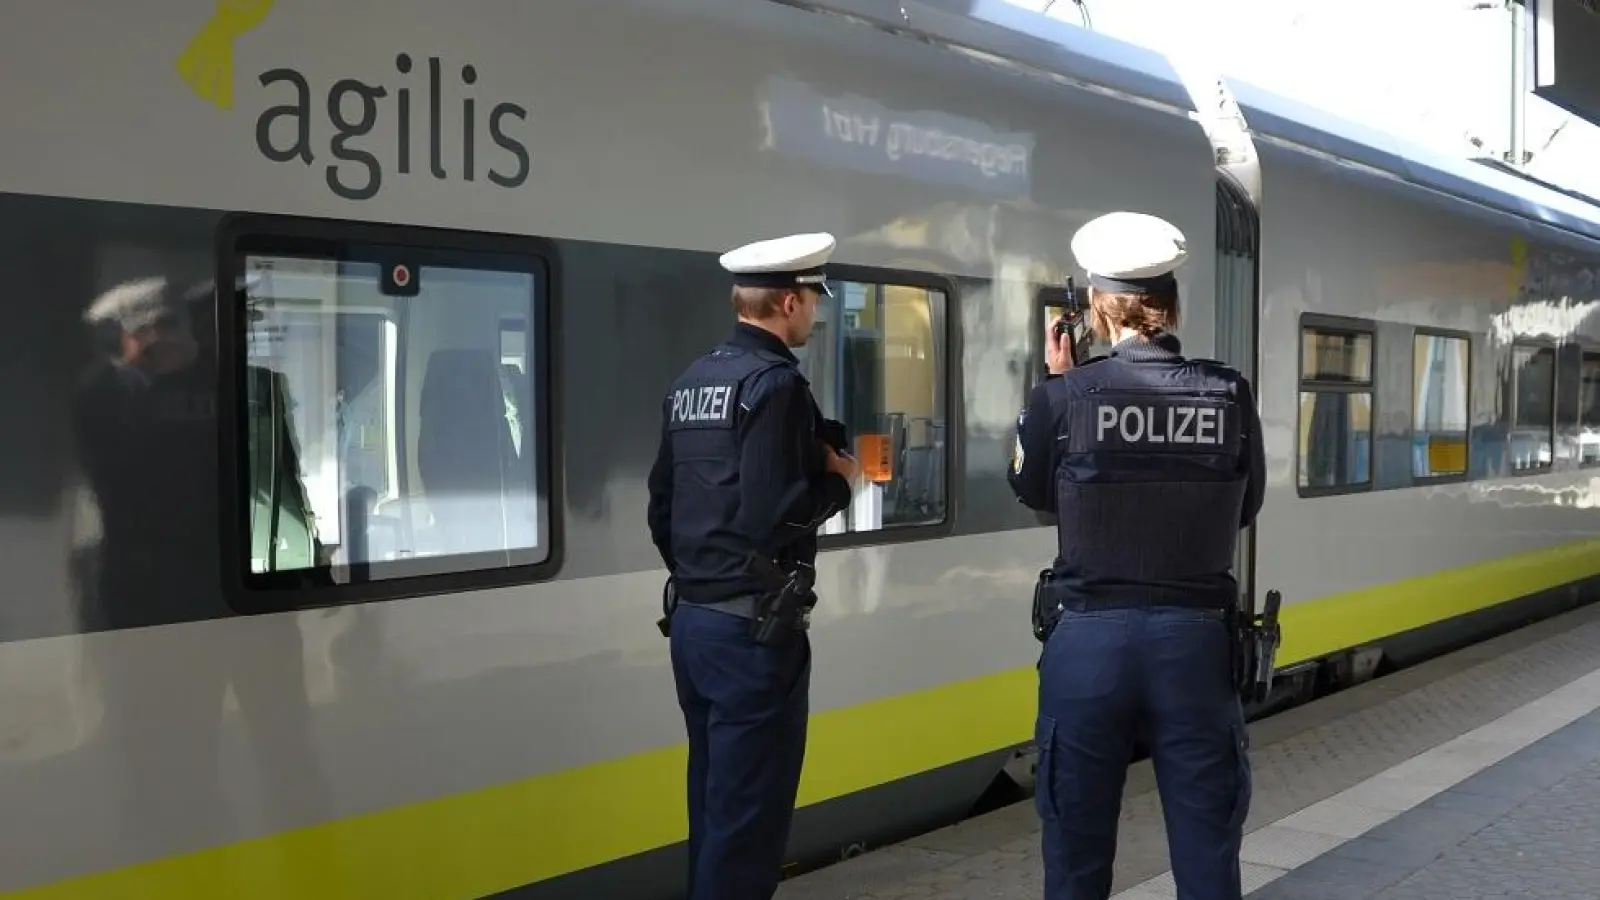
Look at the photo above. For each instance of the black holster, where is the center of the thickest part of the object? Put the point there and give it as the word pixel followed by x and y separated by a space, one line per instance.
pixel 1046 606
pixel 1255 649
pixel 669 602
pixel 780 614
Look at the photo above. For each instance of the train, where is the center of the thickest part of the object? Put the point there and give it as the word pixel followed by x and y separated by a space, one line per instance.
pixel 333 355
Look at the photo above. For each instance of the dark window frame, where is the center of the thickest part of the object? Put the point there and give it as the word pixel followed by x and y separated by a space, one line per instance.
pixel 1425 331
pixel 242 234
pixel 1338 325
pixel 952 381
pixel 1587 350
pixel 1513 381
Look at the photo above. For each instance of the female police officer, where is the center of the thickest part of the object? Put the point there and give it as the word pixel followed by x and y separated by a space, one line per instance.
pixel 1151 463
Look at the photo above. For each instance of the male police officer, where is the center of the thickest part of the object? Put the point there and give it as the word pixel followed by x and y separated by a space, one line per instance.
pixel 1151 463
pixel 741 478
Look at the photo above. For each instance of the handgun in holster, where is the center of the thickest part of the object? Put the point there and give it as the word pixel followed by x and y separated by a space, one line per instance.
pixel 1257 638
pixel 786 607
pixel 669 602
pixel 1046 606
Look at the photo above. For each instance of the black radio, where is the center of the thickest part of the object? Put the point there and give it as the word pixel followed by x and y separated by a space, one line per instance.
pixel 833 433
pixel 1046 608
pixel 1067 307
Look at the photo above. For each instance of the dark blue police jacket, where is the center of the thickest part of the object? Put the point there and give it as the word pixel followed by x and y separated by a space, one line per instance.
pixel 1151 463
pixel 740 469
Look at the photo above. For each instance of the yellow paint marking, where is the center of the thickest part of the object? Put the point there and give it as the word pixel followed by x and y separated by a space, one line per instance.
pixel 206 64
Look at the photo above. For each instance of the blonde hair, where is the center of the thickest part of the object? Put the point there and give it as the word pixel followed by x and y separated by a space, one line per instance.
pixel 758 303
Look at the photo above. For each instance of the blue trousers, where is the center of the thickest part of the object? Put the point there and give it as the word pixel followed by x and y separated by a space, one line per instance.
pixel 746 707
pixel 1164 675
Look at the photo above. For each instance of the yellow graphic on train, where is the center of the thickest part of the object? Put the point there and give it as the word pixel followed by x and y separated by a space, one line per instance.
pixel 206 65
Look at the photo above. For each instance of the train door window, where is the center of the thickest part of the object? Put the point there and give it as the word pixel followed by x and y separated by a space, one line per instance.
pixel 1533 395
pixel 877 362
pixel 1589 410
pixel 1336 393
pixel 1439 385
pixel 393 413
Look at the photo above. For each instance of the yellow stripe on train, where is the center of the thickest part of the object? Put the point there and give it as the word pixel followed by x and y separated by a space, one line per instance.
pixel 478 843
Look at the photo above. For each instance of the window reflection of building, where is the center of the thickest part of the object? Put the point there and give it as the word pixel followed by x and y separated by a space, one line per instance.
pixel 1532 407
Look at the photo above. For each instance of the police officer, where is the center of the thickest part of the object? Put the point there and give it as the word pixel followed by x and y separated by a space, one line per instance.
pixel 743 479
pixel 1151 463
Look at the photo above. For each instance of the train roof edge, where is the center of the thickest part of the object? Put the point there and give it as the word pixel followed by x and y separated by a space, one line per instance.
pixel 1021 36
pixel 1296 122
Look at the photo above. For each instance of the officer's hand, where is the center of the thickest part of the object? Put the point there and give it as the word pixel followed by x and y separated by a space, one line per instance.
pixel 1057 347
pixel 843 465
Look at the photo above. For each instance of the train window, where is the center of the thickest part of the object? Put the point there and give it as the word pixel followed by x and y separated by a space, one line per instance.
pixel 1336 394
pixel 1589 410
pixel 876 362
pixel 1532 436
pixel 1439 385
pixel 394 420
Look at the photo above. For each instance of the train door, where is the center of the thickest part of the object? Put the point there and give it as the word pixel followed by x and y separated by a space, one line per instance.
pixel 1238 249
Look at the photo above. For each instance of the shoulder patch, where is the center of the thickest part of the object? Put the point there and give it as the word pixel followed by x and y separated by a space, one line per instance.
pixel 1017 456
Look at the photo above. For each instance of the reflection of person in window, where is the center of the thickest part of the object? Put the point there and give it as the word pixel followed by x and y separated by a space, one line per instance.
pixel 146 335
pixel 134 423
pixel 146 430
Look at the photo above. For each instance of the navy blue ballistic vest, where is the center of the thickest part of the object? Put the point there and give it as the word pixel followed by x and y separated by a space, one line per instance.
pixel 1150 484
pixel 704 408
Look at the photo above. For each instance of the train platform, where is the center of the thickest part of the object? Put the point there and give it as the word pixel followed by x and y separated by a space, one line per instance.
pixel 1472 775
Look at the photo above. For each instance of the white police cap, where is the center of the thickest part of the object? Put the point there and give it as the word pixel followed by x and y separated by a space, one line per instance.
pixel 133 305
pixel 1129 252
pixel 786 262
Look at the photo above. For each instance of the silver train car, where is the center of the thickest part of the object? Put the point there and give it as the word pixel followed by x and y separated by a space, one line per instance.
pixel 334 346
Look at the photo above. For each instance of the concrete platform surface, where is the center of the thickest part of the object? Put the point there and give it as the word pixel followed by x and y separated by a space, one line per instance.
pixel 1473 775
